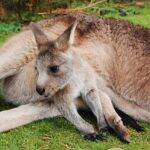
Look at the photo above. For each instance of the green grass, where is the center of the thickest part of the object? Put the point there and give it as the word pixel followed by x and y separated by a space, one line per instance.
pixel 135 15
pixel 57 133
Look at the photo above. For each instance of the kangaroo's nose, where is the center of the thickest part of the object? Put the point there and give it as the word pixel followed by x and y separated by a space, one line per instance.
pixel 40 90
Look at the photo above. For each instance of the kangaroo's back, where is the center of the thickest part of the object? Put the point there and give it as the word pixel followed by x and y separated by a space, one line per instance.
pixel 132 61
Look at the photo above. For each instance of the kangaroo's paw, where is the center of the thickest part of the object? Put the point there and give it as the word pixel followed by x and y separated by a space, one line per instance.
pixel 93 137
pixel 122 131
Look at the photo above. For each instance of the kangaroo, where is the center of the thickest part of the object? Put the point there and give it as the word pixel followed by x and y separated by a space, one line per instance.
pixel 102 61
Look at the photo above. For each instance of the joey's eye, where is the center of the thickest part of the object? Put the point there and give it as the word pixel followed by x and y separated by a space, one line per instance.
pixel 53 69
pixel 35 67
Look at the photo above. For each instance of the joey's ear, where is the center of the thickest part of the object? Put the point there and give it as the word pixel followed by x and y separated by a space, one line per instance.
pixel 39 35
pixel 72 32
pixel 67 37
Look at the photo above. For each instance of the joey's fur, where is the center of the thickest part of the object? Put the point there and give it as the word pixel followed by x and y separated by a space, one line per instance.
pixel 102 61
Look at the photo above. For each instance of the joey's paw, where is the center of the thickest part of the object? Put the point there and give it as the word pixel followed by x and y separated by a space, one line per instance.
pixel 93 137
pixel 125 137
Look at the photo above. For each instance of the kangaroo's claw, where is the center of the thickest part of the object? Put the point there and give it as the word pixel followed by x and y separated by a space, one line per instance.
pixel 125 137
pixel 93 137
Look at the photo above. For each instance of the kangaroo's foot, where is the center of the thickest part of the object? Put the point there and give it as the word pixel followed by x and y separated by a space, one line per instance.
pixel 93 137
pixel 113 119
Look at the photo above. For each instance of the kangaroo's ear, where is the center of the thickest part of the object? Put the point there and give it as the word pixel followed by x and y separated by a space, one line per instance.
pixel 67 37
pixel 39 35
pixel 72 32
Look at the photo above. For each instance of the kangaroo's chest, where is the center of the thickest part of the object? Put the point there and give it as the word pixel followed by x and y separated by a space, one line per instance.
pixel 76 86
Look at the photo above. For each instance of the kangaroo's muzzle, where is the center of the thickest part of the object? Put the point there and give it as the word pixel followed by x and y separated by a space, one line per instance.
pixel 40 90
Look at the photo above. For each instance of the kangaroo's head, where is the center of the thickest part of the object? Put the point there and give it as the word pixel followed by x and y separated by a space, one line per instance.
pixel 55 61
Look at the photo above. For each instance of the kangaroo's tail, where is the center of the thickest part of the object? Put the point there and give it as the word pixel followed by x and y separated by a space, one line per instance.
pixel 129 108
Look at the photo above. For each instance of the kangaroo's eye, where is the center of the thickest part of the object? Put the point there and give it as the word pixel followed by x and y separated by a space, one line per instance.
pixel 53 69
pixel 35 67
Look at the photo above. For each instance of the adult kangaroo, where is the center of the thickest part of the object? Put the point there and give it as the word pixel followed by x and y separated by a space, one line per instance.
pixel 49 69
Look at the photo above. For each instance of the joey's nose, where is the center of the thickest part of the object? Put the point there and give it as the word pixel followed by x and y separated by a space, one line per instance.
pixel 40 90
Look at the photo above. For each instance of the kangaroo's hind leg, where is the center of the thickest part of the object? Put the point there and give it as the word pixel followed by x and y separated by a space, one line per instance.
pixel 25 114
pixel 100 104
pixel 112 118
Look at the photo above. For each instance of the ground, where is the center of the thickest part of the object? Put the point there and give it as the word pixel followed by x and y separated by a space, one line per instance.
pixel 57 133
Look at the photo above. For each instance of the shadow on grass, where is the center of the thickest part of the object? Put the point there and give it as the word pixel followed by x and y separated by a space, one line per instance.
pixel 5 105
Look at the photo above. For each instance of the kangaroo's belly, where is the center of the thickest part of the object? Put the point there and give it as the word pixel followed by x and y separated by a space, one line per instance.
pixel 134 85
pixel 132 74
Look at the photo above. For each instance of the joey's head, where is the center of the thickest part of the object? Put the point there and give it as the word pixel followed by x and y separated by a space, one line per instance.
pixel 54 63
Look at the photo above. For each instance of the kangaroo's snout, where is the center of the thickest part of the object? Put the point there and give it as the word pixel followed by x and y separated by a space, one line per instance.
pixel 40 90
